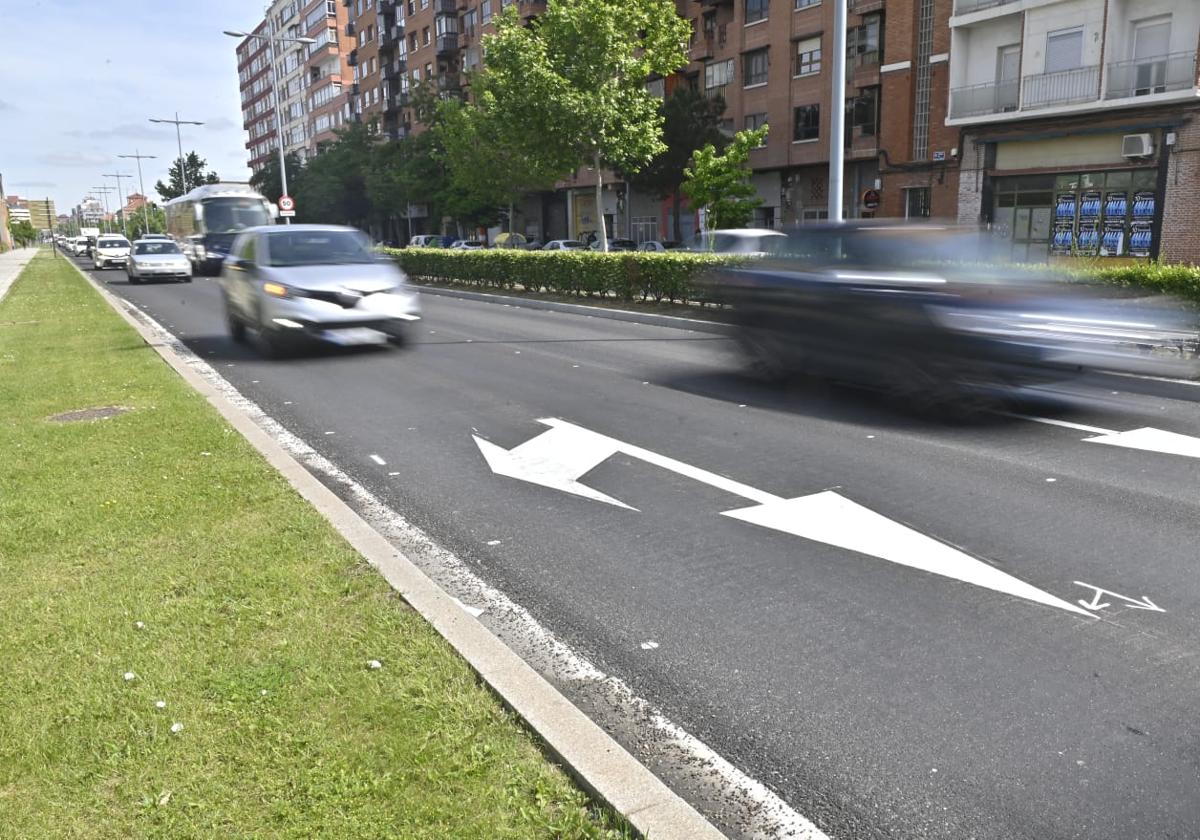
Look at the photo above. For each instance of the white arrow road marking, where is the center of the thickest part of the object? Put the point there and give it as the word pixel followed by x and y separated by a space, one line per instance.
pixel 1147 439
pixel 559 457
pixel 1097 603
pixel 835 520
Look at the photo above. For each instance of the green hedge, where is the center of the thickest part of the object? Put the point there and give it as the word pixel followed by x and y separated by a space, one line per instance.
pixel 1181 281
pixel 625 275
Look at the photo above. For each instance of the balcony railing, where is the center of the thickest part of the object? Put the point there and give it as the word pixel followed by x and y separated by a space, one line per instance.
pixel 1147 76
pixel 1065 87
pixel 717 92
pixel 445 7
pixel 990 98
pixel 962 7
pixel 447 43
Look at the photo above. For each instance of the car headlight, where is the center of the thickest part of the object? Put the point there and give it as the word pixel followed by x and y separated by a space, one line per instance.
pixel 276 290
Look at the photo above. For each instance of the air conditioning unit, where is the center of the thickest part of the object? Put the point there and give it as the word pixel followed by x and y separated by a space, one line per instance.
pixel 1137 146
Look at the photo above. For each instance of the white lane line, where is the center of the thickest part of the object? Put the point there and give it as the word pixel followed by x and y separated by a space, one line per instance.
pixel 742 798
pixel 379 460
pixel 1079 427
pixel 1147 439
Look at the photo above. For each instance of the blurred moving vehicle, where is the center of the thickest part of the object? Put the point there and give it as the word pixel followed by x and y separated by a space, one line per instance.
pixel 922 312
pixel 157 259
pixel 205 221
pixel 615 245
pixel 157 236
pixel 659 246
pixel 468 245
pixel 748 241
pixel 78 246
pixel 110 249
pixel 564 245
pixel 510 240
pixel 322 282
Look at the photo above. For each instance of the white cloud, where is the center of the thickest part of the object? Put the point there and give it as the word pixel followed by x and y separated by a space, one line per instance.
pixel 74 159
pixel 27 184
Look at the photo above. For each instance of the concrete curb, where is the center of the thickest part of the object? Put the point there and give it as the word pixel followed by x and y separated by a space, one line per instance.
pixel 601 765
pixel 673 321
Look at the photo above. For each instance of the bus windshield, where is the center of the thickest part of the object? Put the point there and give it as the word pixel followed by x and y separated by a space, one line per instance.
pixel 222 215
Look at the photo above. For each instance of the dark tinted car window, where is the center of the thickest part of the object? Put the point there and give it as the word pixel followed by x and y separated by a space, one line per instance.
pixel 156 248
pixel 320 247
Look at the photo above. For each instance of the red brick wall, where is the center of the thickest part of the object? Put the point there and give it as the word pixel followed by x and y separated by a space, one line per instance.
pixel 1181 206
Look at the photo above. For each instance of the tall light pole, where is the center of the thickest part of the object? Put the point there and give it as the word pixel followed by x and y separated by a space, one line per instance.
pixel 837 119
pixel 120 198
pixel 104 191
pixel 272 40
pixel 179 142
pixel 139 157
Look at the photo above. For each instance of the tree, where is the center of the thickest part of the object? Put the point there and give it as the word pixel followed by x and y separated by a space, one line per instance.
pixel 574 82
pixel 268 181
pixel 332 185
pixel 691 121
pixel 23 233
pixel 720 181
pixel 176 184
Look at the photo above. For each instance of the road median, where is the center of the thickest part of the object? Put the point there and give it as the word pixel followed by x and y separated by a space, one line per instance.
pixel 190 649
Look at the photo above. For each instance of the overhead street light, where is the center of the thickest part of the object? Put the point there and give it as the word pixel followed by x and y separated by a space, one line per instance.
pixel 179 141
pixel 120 197
pixel 139 157
pixel 272 40
pixel 104 191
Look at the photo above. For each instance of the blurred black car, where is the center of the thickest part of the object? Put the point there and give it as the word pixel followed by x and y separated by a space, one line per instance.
pixel 929 313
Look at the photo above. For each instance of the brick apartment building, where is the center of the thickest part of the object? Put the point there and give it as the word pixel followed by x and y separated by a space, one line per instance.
pixel 981 111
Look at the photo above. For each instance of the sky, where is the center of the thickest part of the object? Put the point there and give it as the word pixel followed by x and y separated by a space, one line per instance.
pixel 80 92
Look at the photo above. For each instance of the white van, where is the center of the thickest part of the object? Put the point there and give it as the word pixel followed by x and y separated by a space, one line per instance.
pixel 110 250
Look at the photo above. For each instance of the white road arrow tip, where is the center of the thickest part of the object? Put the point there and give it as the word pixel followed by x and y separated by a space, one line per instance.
pixel 833 519
pixel 1152 440
pixel 536 469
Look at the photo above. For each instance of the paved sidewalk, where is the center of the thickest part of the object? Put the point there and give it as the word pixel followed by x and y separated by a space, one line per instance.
pixel 11 263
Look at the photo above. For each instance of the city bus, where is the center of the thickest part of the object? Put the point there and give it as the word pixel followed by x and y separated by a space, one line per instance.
pixel 205 221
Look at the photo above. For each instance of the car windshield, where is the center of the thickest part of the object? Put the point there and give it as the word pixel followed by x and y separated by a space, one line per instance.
pixel 113 243
pixel 318 247
pixel 222 215
pixel 156 248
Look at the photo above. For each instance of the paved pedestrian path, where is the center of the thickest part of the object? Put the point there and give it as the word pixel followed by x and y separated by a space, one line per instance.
pixel 11 263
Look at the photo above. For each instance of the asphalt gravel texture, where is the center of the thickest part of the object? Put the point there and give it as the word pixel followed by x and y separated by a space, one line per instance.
pixel 878 700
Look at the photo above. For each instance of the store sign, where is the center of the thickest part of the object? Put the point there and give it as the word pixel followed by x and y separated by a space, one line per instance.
pixel 870 199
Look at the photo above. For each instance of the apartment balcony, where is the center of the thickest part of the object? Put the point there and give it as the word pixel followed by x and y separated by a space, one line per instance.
pixel 449 82
pixel 445 7
pixel 1066 87
pixel 447 44
pixel 396 67
pixel 712 4
pixel 352 58
pixel 990 98
pixel 531 9
pixel 717 92
pixel 963 7
pixel 1148 76
pixel 395 100
pixel 349 29
pixel 704 47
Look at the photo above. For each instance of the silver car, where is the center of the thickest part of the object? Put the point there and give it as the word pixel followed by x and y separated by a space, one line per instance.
pixel 314 282
pixel 157 259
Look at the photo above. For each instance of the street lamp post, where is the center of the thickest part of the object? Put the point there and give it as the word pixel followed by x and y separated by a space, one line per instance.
pixel 120 198
pixel 837 119
pixel 179 142
pixel 104 191
pixel 139 157
pixel 272 40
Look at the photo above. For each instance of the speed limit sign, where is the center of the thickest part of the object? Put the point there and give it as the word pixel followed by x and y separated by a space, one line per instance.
pixel 287 206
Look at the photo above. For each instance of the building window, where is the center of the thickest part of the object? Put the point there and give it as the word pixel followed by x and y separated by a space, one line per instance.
pixel 1064 50
pixel 754 68
pixel 755 121
pixel 485 11
pixel 425 36
pixel 808 56
pixel 657 88
pixel 804 4
pixel 807 122
pixel 862 114
pixel 916 203
pixel 717 74
pixel 756 10
pixel 864 43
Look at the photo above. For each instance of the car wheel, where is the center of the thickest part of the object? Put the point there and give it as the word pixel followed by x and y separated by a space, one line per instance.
pixel 187 279
pixel 270 343
pixel 134 280
pixel 764 359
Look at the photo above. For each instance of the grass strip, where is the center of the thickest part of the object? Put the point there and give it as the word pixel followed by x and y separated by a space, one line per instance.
pixel 158 543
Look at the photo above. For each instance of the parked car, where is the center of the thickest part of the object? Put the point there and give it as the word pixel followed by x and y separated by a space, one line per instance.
pixel 616 245
pixel 157 259
pixel 661 245
pixel 533 245
pixel 468 245
pixel 426 240
pixel 314 282
pixel 110 250
pixel 510 240
pixel 919 311
pixel 564 245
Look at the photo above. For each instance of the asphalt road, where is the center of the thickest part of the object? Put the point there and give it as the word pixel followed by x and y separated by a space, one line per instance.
pixel 877 699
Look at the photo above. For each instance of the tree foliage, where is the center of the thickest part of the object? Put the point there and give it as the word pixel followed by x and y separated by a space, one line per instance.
pixel 720 181
pixel 196 176
pixel 23 233
pixel 691 121
pixel 268 181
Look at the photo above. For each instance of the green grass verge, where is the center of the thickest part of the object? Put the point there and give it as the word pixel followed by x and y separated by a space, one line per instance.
pixel 259 623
